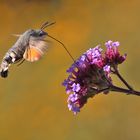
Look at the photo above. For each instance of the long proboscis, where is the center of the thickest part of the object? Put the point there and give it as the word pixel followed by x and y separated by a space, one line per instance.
pixel 63 47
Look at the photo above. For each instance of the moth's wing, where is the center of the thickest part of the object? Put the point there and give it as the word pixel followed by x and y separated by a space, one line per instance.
pixel 16 35
pixel 35 50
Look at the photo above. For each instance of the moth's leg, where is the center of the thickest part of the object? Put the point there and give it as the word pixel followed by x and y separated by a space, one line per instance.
pixel 21 62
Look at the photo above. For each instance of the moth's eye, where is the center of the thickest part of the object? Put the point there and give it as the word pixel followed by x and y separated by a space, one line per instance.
pixel 41 33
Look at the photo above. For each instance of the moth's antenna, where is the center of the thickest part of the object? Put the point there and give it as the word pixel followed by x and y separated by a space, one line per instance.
pixel 46 24
pixel 63 47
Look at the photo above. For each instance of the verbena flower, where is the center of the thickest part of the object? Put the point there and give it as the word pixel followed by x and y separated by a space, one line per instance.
pixel 90 74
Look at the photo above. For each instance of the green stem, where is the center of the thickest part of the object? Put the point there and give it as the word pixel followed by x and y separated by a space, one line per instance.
pixel 127 91
pixel 122 79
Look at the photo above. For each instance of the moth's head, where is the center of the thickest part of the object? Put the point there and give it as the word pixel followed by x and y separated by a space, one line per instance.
pixel 38 33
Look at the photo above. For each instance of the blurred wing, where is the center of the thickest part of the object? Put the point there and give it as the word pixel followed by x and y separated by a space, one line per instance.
pixel 16 35
pixel 35 50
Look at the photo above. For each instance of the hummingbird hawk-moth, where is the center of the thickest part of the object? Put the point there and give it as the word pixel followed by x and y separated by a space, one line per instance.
pixel 30 46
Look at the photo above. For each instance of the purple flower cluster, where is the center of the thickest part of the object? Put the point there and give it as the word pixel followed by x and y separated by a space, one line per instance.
pixel 112 55
pixel 90 74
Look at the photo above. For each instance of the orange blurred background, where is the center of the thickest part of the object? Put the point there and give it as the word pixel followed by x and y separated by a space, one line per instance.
pixel 32 101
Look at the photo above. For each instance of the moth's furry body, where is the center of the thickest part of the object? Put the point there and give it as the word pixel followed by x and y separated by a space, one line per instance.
pixel 30 38
pixel 30 46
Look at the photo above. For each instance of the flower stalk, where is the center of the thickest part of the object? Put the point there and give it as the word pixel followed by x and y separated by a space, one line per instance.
pixel 122 79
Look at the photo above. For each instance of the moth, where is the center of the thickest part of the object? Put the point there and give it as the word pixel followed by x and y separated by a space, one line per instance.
pixel 30 46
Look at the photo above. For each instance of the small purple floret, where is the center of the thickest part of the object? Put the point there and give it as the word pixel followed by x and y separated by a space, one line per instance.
pixel 115 44
pixel 71 103
pixel 76 87
pixel 107 68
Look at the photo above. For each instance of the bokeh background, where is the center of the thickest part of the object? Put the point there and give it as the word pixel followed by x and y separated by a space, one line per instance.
pixel 32 101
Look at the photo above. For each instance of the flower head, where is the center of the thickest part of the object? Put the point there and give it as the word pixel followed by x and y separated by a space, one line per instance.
pixel 90 74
